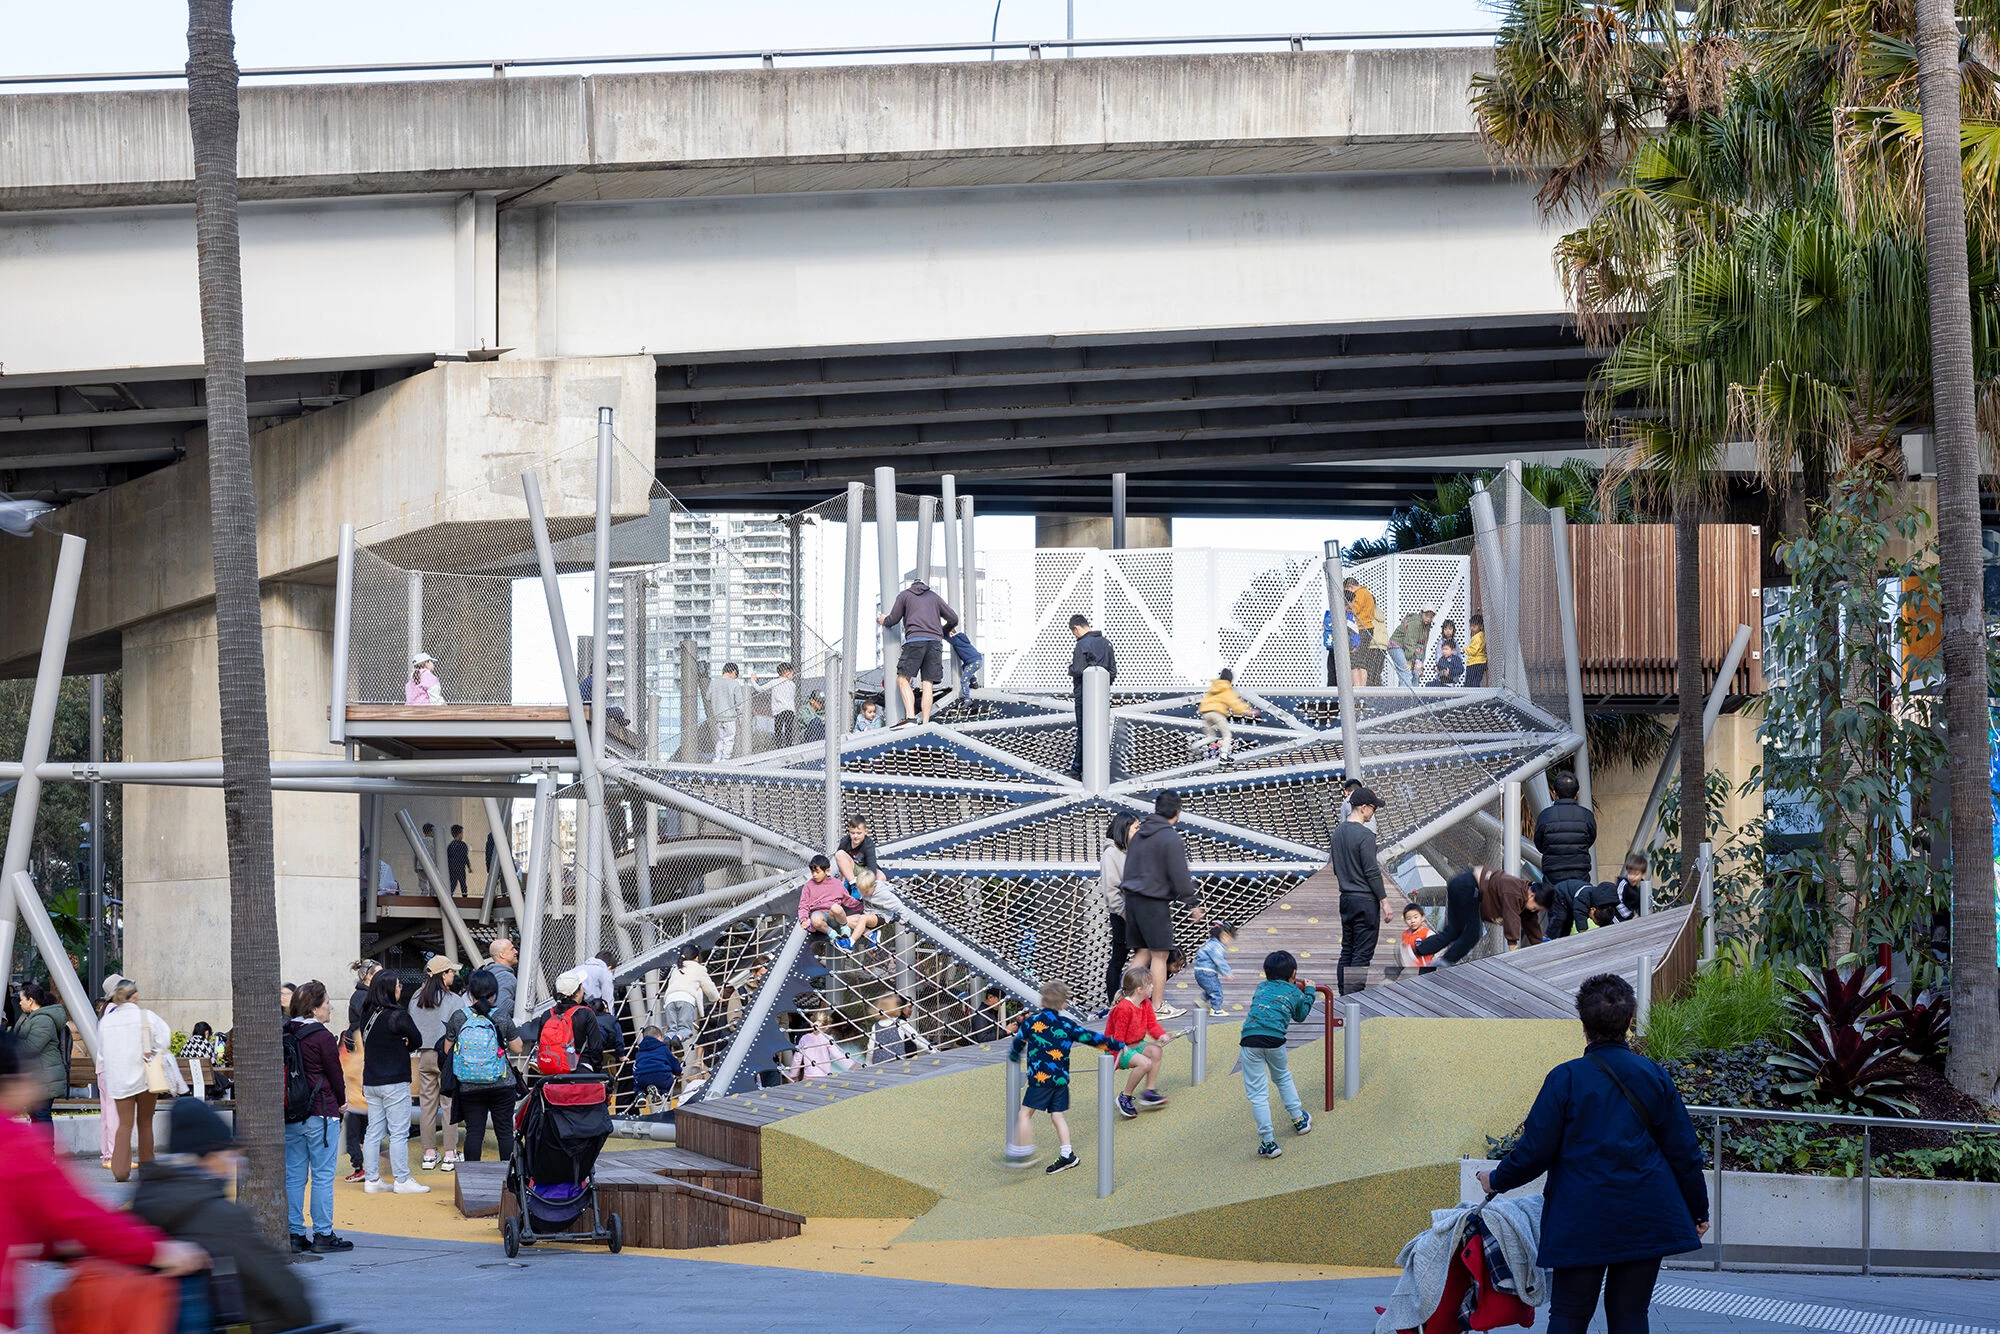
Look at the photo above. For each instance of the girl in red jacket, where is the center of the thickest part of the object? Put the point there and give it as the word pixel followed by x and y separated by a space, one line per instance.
pixel 1133 1023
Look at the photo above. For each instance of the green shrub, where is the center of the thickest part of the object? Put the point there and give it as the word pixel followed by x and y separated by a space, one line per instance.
pixel 1726 1007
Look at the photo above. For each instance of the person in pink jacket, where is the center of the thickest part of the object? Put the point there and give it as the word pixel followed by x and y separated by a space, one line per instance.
pixel 422 687
pixel 817 1055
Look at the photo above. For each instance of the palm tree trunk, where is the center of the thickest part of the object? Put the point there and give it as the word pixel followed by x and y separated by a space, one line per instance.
pixel 1687 641
pixel 1974 1062
pixel 246 750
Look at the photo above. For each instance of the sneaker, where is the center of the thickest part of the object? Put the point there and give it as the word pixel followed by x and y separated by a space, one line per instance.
pixel 331 1243
pixel 1304 1125
pixel 300 1244
pixel 448 1163
pixel 430 1161
pixel 1153 1098
pixel 844 943
pixel 411 1188
pixel 1269 1149
pixel 377 1187
pixel 875 938
pixel 1169 1012
pixel 1063 1162
pixel 1217 1012
pixel 356 1177
pixel 1125 1107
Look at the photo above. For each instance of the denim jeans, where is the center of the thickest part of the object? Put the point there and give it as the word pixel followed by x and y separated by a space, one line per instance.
pixel 1401 662
pixel 1262 1067
pixel 388 1114
pixel 312 1147
pixel 1211 987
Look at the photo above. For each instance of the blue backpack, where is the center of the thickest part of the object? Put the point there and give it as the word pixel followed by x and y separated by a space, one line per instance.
pixel 476 1057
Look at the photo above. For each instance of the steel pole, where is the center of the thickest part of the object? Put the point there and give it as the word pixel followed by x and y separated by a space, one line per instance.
pixel 1644 988
pixel 1198 1064
pixel 1510 830
pixel 343 633
pixel 504 846
pixel 1107 1119
pixel 831 763
pixel 1512 547
pixel 1343 663
pixel 369 907
pixel 840 705
pixel 926 531
pixel 1705 863
pixel 968 610
pixel 1096 738
pixel 531 927
pixel 1572 655
pixel 1117 511
pixel 413 613
pixel 43 932
pixel 1495 592
pixel 891 580
pixel 948 511
pixel 1017 1079
pixel 600 691
pixel 41 722
pixel 93 964
pixel 1350 1050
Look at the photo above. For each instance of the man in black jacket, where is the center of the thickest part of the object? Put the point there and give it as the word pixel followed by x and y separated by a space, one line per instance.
pixel 1092 650
pixel 1364 902
pixel 1565 834
pixel 1156 874
pixel 182 1195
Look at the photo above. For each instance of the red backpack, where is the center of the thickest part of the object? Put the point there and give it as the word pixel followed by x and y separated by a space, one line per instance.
pixel 555 1049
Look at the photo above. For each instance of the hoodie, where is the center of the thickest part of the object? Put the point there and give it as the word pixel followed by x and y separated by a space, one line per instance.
pixel 653 1063
pixel 188 1204
pixel 1156 863
pixel 921 613
pixel 1092 650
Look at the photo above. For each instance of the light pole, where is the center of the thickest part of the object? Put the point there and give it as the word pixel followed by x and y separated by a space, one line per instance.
pixel 994 36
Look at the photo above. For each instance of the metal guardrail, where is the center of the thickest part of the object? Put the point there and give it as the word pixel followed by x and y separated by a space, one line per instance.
pixel 769 56
pixel 1868 1124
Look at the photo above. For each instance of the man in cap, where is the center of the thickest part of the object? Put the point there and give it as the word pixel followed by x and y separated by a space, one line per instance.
pixel 591 1036
pixel 1364 903
pixel 184 1195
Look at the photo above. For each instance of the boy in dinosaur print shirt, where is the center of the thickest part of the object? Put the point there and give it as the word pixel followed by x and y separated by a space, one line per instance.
pixel 1046 1037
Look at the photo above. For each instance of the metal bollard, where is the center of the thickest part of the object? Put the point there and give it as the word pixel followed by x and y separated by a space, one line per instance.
pixel 1350 1031
pixel 1017 1079
pixel 1645 991
pixel 1199 1075
pixel 1107 1117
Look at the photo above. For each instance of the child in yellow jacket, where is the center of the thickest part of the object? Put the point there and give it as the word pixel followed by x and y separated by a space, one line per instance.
pixel 1217 707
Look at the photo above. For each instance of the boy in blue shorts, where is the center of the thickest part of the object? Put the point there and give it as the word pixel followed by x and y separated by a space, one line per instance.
pixel 1046 1037
pixel 1281 1001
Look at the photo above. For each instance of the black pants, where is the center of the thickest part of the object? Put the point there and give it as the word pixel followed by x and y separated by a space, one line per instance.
pixel 1360 928
pixel 1475 675
pixel 1076 761
pixel 1462 931
pixel 480 1105
pixel 1628 1290
pixel 1563 912
pixel 784 729
pixel 355 1124
pixel 457 877
pixel 1114 972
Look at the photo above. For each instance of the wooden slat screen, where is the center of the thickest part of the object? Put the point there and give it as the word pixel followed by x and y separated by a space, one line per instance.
pixel 1625 606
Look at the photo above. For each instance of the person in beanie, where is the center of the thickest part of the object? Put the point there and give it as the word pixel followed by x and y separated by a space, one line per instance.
pixel 1364 903
pixel 184 1195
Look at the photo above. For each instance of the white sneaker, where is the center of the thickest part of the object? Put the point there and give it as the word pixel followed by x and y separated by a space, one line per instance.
pixel 377 1187
pixel 412 1188
pixel 1169 1012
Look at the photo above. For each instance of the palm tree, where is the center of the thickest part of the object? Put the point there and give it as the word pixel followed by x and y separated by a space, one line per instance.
pixel 1974 1061
pixel 246 750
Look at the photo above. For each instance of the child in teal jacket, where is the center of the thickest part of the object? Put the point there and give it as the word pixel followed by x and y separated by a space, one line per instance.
pixel 1281 1000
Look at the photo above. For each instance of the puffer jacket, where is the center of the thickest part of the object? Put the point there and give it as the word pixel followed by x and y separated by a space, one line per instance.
pixel 1565 835
pixel 1222 698
pixel 44 1039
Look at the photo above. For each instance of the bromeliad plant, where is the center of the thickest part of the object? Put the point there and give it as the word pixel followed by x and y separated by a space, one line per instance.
pixel 1923 1026
pixel 1845 1049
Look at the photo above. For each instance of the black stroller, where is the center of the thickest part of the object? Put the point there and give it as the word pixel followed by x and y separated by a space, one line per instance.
pixel 558 1131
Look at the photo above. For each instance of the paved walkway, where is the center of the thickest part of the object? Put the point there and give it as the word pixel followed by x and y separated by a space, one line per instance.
pixel 391 1282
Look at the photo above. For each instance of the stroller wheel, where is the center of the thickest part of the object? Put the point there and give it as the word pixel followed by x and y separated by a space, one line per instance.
pixel 510 1237
pixel 616 1227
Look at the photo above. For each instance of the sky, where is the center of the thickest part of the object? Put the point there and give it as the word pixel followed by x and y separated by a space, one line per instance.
pixel 121 35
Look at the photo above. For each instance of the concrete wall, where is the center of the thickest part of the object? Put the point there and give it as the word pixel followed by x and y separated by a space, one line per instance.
pixel 1086 530
pixel 1618 791
pixel 445 446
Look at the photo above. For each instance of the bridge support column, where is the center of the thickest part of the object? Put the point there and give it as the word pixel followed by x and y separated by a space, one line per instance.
pixel 1088 530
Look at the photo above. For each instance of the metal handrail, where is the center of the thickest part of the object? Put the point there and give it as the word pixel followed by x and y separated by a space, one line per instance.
pixel 1867 1123
pixel 768 55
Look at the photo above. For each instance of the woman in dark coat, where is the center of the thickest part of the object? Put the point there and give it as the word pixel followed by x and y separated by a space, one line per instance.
pixel 1625 1185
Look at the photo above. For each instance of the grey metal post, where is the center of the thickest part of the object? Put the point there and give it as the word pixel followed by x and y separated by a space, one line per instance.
pixel 926 531
pixel 369 906
pixel 1117 511
pixel 1494 589
pixel 94 950
pixel 586 753
pixel 413 612
pixel 1198 1071
pixel 842 701
pixel 1645 991
pixel 794 540
pixel 41 722
pixel 1867 1197
pixel 1715 1210
pixel 1512 547
pixel 1350 1050
pixel 1510 830
pixel 600 591
pixel 690 690
pixel 343 632
pixel 1096 738
pixel 43 932
pixel 1017 1079
pixel 1107 1119
pixel 833 731
pixel 1705 864
pixel 948 511
pixel 886 560
pixel 760 1012
pixel 968 610
pixel 1343 662
pixel 1572 654
pixel 538 875
pixel 505 848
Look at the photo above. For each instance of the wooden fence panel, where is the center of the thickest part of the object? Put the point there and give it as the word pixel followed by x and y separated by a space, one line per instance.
pixel 1625 607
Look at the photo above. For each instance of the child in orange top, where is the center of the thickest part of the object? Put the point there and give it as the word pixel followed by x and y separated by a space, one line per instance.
pixel 1415 928
pixel 1133 1023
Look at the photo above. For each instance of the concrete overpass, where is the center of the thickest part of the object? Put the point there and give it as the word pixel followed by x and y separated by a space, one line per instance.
pixel 1206 269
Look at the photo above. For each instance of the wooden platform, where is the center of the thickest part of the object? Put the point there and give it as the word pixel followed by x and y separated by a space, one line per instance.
pixel 667 1199
pixel 532 730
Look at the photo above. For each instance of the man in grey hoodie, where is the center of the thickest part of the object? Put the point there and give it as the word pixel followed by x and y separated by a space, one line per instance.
pixel 728 705
pixel 926 620
pixel 1156 874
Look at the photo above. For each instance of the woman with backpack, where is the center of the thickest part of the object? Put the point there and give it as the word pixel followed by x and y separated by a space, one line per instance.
pixel 315 1091
pixel 433 1009
pixel 475 1045
pixel 1625 1187
pixel 389 1038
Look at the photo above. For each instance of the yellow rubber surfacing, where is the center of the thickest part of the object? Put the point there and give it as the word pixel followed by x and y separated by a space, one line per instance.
pixel 1188 1181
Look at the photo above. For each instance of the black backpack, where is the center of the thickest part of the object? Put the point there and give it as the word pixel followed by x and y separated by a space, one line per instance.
pixel 300 1088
